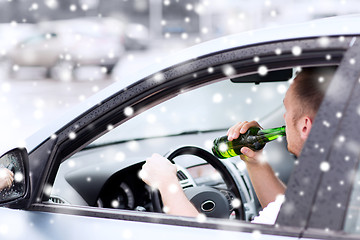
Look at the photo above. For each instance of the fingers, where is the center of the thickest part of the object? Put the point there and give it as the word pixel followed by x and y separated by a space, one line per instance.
pixel 6 178
pixel 10 177
pixel 240 128
pixel 158 170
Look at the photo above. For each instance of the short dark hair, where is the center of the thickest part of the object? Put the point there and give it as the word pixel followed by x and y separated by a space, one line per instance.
pixel 310 86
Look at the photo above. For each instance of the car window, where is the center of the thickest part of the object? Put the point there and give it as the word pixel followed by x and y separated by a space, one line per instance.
pixel 105 173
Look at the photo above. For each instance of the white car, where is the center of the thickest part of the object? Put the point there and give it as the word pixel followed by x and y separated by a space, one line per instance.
pixel 79 178
pixel 65 45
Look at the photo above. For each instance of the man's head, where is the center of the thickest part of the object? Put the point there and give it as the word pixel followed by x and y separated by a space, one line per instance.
pixel 302 101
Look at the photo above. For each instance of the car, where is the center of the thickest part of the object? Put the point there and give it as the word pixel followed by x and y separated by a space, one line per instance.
pixel 79 176
pixel 63 46
pixel 136 37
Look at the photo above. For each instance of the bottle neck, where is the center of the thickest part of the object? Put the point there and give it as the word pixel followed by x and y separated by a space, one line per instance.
pixel 271 134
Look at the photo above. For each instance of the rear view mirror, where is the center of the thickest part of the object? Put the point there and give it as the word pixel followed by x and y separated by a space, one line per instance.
pixel 14 175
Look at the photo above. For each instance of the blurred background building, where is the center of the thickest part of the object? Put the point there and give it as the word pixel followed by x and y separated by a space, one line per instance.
pixel 56 53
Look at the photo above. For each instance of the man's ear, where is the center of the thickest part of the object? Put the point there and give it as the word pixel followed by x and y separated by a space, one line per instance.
pixel 305 125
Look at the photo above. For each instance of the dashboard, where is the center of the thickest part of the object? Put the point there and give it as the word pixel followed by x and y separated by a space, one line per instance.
pixel 86 180
pixel 125 190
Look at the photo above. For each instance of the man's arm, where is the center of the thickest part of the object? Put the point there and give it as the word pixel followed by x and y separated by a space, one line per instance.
pixel 6 178
pixel 267 186
pixel 159 173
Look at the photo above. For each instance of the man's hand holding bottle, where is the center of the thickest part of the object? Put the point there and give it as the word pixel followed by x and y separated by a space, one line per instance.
pixel 248 155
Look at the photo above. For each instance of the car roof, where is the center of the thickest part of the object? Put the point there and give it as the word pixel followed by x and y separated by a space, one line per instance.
pixel 333 26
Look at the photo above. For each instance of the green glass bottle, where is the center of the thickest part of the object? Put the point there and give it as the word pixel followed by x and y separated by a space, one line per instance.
pixel 254 138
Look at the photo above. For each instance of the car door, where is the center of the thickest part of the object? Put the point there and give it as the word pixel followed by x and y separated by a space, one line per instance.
pixel 325 182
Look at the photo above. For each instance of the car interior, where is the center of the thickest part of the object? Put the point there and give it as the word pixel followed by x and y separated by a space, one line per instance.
pixel 105 174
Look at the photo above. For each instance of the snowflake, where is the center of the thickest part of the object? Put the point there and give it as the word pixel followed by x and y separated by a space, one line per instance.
pixel 204 30
pixel 236 203
pixel 281 88
pixel 15 68
pixel 120 156
pixel 296 51
pixel 201 218
pixel 173 188
pixel 72 135
pixel 159 77
pixel 256 234
pixel 262 70
pixel 71 163
pixel 223 147
pixel 166 209
pixel 133 146
pixel 228 70
pixel 342 139
pixel 84 7
pixel 189 7
pixel 217 98
pixel 52 4
pixel 115 203
pixel 326 123
pixel 128 111
pixel 324 42
pixel 324 166
pixel 151 118
pixel 184 36
pixel 34 7
pixel 47 189
pixel 73 8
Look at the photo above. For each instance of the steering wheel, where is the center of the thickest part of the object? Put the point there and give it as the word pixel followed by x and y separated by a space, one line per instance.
pixel 207 200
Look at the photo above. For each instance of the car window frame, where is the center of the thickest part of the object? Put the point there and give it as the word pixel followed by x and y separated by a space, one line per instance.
pixel 323 217
pixel 174 81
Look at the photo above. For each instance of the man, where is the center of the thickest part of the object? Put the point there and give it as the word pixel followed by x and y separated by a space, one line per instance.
pixel 301 102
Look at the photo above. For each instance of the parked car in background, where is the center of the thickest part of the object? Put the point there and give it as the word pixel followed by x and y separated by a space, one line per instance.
pixel 66 45
pixel 136 37
pixel 79 176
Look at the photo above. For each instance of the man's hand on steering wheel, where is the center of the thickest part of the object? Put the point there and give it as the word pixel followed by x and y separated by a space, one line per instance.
pixel 159 173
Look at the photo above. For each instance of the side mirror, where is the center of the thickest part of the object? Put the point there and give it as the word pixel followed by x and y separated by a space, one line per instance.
pixel 14 175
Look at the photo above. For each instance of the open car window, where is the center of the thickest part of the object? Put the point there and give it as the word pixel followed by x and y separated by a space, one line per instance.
pixel 105 173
